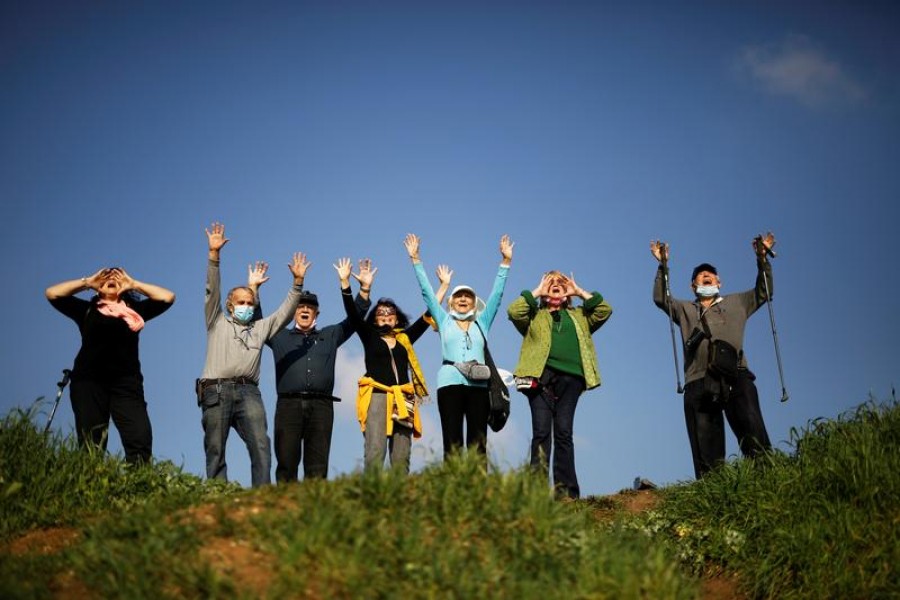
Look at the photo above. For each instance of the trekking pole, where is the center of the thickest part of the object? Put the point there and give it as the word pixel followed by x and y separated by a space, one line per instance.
pixel 61 385
pixel 664 261
pixel 770 252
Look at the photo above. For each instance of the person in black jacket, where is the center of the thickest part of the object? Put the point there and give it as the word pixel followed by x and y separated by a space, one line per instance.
pixel 106 378
pixel 393 386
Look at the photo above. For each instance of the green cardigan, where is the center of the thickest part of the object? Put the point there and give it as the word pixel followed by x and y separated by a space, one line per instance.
pixel 534 323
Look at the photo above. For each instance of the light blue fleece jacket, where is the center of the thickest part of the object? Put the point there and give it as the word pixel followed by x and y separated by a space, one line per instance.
pixel 458 345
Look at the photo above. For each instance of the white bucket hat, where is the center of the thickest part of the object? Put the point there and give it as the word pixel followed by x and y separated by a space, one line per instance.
pixel 479 303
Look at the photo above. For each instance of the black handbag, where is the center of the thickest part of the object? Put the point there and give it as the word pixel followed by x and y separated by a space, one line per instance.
pixel 723 359
pixel 497 391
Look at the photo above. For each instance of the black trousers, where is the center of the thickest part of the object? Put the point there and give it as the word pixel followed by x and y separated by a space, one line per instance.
pixel 458 404
pixel 303 428
pixel 122 399
pixel 703 414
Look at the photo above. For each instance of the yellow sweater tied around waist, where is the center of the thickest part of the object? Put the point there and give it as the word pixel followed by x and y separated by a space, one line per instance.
pixel 396 394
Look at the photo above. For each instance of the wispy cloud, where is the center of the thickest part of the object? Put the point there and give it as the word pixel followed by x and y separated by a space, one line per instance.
pixel 797 68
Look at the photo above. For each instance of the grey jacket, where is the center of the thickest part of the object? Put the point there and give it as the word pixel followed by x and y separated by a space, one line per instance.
pixel 232 349
pixel 726 319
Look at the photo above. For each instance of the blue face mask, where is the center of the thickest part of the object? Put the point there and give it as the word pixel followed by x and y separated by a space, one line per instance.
pixel 466 316
pixel 243 314
pixel 707 291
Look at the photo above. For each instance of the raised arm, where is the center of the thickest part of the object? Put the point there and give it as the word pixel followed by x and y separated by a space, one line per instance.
pixel 274 323
pixel 445 276
pixel 596 310
pixel 256 277
pixel 212 304
pixel 73 286
pixel 151 291
pixel 659 250
pixel 365 277
pixel 432 304
pixel 486 318
pixel 762 246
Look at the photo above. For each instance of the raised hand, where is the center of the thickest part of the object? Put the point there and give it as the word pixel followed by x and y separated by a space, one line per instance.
pixel 343 268
pixel 659 249
pixel 256 274
pixel 506 249
pixel 126 281
pixel 543 287
pixel 444 274
pixel 412 246
pixel 573 289
pixel 96 280
pixel 215 235
pixel 366 274
pixel 763 244
pixel 298 266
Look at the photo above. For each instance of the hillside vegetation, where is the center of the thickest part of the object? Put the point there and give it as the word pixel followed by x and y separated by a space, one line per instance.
pixel 820 522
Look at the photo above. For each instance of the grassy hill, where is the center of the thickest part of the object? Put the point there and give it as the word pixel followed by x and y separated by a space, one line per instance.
pixel 821 522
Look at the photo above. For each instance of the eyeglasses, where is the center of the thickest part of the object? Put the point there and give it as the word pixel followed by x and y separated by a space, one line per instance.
pixel 385 312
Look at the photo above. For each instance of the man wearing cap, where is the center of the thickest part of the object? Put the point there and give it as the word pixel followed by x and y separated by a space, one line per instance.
pixel 304 378
pixel 227 391
pixel 710 317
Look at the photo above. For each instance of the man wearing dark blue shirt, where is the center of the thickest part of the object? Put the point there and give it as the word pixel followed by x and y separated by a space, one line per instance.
pixel 304 378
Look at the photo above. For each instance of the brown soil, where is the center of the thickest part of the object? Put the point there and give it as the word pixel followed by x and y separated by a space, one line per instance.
pixel 43 541
pixel 248 568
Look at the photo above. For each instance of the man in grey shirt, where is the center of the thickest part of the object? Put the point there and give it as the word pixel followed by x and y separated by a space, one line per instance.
pixel 228 391
pixel 713 317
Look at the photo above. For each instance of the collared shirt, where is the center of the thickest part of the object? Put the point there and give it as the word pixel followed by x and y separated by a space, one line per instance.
pixel 232 349
pixel 305 361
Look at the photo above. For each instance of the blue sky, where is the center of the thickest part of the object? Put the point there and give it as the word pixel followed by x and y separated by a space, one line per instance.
pixel 583 130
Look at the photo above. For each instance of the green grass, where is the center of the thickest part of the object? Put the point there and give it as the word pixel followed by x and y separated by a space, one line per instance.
pixel 46 480
pixel 821 522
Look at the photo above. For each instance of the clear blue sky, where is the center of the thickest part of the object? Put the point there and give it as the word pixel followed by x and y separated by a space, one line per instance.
pixel 583 130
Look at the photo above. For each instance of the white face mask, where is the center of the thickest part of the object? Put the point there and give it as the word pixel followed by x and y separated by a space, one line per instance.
pixel 707 291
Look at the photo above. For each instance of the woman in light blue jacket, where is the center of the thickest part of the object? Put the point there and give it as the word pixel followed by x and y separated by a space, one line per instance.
pixel 462 328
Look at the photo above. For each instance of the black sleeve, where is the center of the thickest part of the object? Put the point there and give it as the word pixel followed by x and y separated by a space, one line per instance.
pixel 148 308
pixel 73 307
pixel 416 330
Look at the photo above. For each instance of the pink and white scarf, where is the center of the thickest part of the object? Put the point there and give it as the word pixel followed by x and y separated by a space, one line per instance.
pixel 122 311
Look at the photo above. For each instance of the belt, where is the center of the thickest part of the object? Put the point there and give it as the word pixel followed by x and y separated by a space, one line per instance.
pixel 205 383
pixel 308 396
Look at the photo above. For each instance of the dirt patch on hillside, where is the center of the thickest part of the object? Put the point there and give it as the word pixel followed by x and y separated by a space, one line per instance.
pixel 249 569
pixel 721 587
pixel 43 541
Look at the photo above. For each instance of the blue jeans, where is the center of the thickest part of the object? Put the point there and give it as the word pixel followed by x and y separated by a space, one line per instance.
pixel 553 419
pixel 237 405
